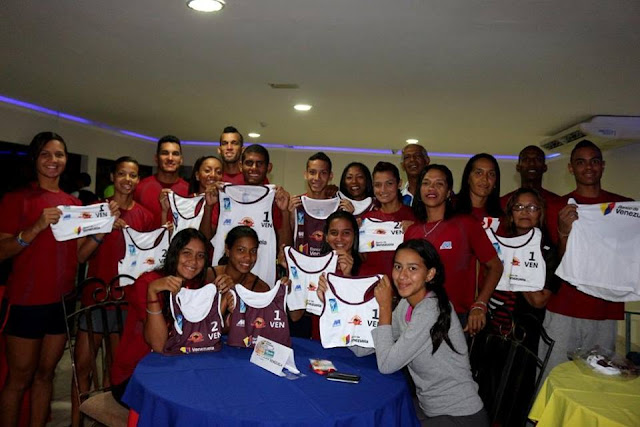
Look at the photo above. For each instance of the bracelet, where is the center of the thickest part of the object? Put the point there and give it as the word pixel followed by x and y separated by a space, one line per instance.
pixel 95 239
pixel 561 234
pixel 154 312
pixel 479 305
pixel 21 242
pixel 480 302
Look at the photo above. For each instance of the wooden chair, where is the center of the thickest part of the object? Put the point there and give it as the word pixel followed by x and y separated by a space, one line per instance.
pixel 97 402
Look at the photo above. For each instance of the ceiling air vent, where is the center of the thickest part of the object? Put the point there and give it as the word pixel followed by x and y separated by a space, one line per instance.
pixel 284 86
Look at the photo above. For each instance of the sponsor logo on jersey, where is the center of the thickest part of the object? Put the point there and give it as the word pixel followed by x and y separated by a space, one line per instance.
pixel 356 320
pixel 240 323
pixel 607 208
pixel 312 286
pixel 371 244
pixel 132 249
pixel 259 323
pixel 77 230
pixel 446 245
pixel 195 337
pixel 294 272
pixel 246 221
pixel 346 339
pixel 243 307
pixel 85 215
pixel 336 323
pixel 247 341
pixel 179 320
pixel 333 305
pixel 298 287
pixel 150 261
pixel 496 246
pixel 226 204
pixel 66 216
pixel 300 217
pixel 515 261
pixel 227 221
pixel 380 231
pixel 318 236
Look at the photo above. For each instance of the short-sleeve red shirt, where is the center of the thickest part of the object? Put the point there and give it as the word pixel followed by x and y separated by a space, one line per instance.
pixel 46 269
pixel 460 241
pixel 148 195
pixel 569 301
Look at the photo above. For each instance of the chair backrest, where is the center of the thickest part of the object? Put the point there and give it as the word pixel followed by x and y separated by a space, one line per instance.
pixel 107 299
pixel 508 369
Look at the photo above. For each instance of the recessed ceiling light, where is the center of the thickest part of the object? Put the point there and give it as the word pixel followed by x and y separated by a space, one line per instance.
pixel 302 107
pixel 253 135
pixel 206 5
pixel 412 141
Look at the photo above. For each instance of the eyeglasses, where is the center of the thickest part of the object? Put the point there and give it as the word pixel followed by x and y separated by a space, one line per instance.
pixel 518 207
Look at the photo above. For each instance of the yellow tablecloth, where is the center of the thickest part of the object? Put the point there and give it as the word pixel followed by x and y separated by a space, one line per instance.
pixel 573 397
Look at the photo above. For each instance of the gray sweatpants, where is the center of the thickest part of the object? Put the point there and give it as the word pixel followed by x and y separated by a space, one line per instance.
pixel 571 333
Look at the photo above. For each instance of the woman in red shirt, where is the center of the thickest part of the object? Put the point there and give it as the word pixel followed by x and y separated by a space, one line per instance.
pixel 43 271
pixel 103 252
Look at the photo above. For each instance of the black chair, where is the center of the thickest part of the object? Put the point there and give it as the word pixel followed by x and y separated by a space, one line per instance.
pixel 508 370
pixel 97 402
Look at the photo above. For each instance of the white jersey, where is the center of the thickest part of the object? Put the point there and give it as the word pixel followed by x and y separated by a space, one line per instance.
pixel 521 256
pixel 250 205
pixel 377 235
pixel 603 251
pixel 81 221
pixel 304 272
pixel 348 318
pixel 360 206
pixel 144 251
pixel 186 211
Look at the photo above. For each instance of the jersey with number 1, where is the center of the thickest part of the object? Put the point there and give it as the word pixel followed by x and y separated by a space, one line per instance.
pixel 350 312
pixel 304 272
pixel 250 205
pixel 197 321
pixel 259 314
pixel 144 251
pixel 186 212
pixel 521 256
pixel 81 221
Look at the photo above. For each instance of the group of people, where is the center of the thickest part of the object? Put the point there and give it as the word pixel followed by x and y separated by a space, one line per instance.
pixel 447 263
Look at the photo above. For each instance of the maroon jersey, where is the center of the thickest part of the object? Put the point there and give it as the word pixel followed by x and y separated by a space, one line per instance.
pixel 197 322
pixel 259 314
pixel 310 217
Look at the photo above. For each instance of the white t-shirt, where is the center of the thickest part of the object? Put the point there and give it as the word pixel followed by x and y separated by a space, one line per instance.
pixel 348 318
pixel 602 258
pixel 377 236
pixel 186 212
pixel 304 272
pixel 81 221
pixel 250 205
pixel 144 251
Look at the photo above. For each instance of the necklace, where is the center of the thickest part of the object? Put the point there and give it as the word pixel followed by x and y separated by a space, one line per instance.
pixel 426 233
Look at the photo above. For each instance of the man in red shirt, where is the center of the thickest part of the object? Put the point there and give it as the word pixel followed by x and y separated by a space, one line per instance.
pixel 152 191
pixel 230 150
pixel 575 319
pixel 531 166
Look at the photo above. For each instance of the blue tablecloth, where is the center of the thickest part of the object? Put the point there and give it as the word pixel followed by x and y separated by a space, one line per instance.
pixel 225 389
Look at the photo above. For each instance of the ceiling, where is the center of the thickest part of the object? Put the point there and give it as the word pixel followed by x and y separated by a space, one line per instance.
pixel 460 75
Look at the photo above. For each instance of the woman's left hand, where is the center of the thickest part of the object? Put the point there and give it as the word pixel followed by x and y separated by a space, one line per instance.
pixel 223 282
pixel 476 322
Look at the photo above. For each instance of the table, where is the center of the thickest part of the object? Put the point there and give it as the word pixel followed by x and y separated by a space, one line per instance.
pixel 573 397
pixel 225 389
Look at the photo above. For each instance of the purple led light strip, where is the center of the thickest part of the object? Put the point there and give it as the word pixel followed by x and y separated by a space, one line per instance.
pixel 77 119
